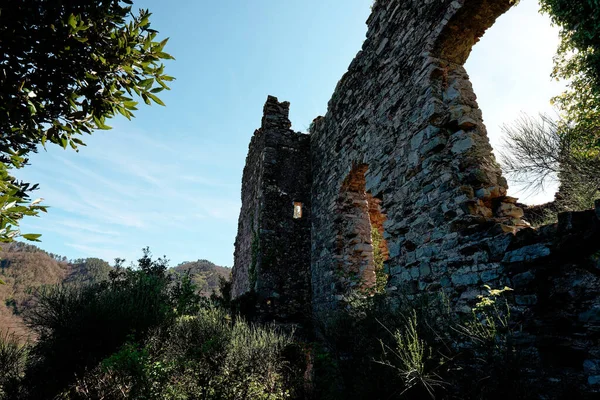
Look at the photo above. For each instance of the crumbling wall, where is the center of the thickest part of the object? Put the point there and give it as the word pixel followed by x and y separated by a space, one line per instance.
pixel 406 109
pixel 272 249
pixel 555 274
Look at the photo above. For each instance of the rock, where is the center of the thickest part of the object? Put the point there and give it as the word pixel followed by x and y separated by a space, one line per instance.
pixel 594 380
pixel 592 315
pixel 527 253
pixel 523 279
pixel 591 366
pixel 463 145
pixel 526 300
pixel 465 279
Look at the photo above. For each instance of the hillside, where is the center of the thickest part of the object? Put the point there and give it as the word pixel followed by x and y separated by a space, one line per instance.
pixel 204 274
pixel 25 268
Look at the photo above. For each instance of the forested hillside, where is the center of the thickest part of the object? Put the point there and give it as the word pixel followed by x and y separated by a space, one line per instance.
pixel 204 274
pixel 25 268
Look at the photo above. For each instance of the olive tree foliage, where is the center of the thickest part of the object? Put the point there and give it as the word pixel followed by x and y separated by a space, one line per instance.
pixel 66 66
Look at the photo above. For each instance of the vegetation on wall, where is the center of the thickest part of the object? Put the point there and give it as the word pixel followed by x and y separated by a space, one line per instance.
pixel 381 277
pixel 420 349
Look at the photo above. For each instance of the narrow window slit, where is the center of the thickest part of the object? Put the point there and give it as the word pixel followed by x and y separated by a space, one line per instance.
pixel 297 210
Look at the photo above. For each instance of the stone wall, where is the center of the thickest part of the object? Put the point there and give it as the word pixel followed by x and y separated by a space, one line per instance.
pixel 272 248
pixel 406 110
pixel 555 274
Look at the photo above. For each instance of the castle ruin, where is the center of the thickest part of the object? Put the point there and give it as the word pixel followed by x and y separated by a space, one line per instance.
pixel 403 151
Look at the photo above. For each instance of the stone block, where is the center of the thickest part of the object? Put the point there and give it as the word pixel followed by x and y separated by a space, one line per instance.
pixel 591 367
pixel 526 300
pixel 527 253
pixel 424 269
pixel 594 380
pixel 590 316
pixel 435 144
pixel 523 279
pixel 462 145
pixel 487 276
pixel 467 279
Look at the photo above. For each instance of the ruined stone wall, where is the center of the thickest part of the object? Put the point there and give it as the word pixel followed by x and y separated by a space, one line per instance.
pixel 272 249
pixel 407 111
pixel 403 150
pixel 555 274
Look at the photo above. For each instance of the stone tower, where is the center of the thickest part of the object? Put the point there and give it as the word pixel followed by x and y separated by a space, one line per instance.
pixel 272 248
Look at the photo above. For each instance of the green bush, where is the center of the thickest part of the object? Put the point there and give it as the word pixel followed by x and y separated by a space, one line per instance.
pixel 143 335
pixel 205 356
pixel 410 358
pixel 78 327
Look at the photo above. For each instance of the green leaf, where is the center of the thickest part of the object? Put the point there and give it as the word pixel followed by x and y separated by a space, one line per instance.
pixel 162 44
pixel 31 108
pixel 165 56
pixel 79 141
pixel 146 83
pixel 124 112
pixel 34 237
pixel 156 99
pixel 72 21
pixel 130 105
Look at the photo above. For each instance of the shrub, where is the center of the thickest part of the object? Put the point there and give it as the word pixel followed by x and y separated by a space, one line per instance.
pixel 205 356
pixel 410 358
pixel 80 326
pixel 12 363
pixel 541 150
pixel 420 349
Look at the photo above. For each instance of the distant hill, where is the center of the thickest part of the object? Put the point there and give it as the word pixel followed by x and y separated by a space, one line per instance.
pixel 25 268
pixel 204 274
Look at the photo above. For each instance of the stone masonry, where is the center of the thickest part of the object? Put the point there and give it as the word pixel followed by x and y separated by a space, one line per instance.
pixel 403 149
pixel 272 248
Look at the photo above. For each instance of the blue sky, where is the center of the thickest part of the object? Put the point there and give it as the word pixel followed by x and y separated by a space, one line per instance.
pixel 170 179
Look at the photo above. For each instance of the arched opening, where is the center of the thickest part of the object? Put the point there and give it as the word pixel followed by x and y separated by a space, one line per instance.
pixel 510 71
pixel 467 23
pixel 361 245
